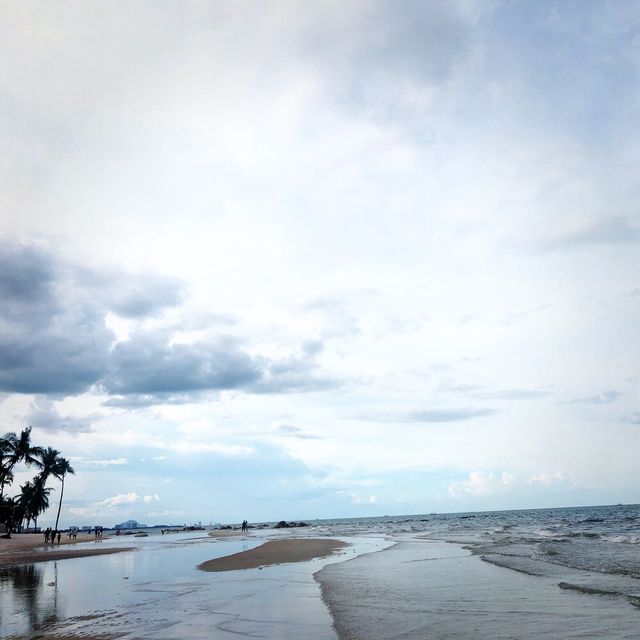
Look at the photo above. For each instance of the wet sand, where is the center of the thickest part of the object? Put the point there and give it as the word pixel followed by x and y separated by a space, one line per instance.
pixel 275 552
pixel 24 548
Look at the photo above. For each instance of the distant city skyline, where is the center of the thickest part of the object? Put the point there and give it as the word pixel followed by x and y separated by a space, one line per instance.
pixel 321 260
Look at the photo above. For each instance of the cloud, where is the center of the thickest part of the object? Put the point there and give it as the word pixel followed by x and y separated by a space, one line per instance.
pixel 144 297
pixel 291 431
pixel 520 316
pixel 52 314
pixel 295 373
pixel 606 230
pixel 55 341
pixel 383 60
pixel 512 394
pixel 635 417
pixel 149 364
pixel 149 499
pixel 122 498
pixel 606 397
pixel 42 414
pixel 358 498
pixel 53 338
pixel 201 448
pixel 558 477
pixel 481 483
pixel 78 460
pixel 432 415
pixel 485 483
pixel 338 321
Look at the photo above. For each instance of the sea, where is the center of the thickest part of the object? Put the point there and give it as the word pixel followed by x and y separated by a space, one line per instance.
pixel 544 573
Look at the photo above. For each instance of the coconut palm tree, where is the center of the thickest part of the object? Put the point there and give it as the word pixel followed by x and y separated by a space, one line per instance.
pixel 19 449
pixel 62 468
pixel 9 512
pixel 49 459
pixel 34 499
pixel 6 477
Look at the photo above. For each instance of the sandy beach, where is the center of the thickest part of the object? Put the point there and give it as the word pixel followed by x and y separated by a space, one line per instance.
pixel 22 548
pixel 275 552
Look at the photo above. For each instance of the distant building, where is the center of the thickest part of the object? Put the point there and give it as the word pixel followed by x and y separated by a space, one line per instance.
pixel 130 524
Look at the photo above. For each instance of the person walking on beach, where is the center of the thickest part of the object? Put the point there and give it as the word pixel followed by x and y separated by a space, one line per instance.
pixel 59 536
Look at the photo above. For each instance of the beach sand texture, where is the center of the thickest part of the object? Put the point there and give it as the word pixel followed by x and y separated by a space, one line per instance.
pixel 275 552
pixel 22 548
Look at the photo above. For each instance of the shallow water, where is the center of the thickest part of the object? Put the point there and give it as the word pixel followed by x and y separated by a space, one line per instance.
pixel 557 573
pixel 424 589
pixel 157 592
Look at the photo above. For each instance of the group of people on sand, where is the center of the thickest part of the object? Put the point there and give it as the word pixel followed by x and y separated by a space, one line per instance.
pixel 245 525
pixel 52 535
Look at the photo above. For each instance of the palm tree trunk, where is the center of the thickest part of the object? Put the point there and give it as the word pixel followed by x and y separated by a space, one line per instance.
pixel 60 503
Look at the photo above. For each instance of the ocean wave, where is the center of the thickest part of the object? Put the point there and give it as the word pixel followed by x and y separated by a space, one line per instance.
pixel 582 588
pixel 622 539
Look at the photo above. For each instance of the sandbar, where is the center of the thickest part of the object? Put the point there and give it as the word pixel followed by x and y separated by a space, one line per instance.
pixel 275 552
pixel 24 548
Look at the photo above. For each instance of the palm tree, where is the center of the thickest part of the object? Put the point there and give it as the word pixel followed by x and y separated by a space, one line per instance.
pixel 62 468
pixel 19 449
pixel 6 477
pixel 49 459
pixel 34 499
pixel 9 510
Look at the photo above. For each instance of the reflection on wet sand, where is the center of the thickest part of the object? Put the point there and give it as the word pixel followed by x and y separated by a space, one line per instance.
pixel 32 598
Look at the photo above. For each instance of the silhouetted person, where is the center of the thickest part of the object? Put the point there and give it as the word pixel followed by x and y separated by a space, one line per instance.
pixel 59 536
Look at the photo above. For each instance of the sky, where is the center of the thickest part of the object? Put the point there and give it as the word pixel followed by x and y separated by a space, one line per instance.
pixel 297 260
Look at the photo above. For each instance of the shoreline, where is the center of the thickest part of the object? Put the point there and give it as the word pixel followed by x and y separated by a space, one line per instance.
pixel 25 548
pixel 274 552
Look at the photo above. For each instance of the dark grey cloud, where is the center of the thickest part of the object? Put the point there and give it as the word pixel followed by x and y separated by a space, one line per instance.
pixel 54 339
pixel 145 297
pixel 606 397
pixel 26 276
pixel 455 414
pixel 295 373
pixel 149 364
pixel 43 415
